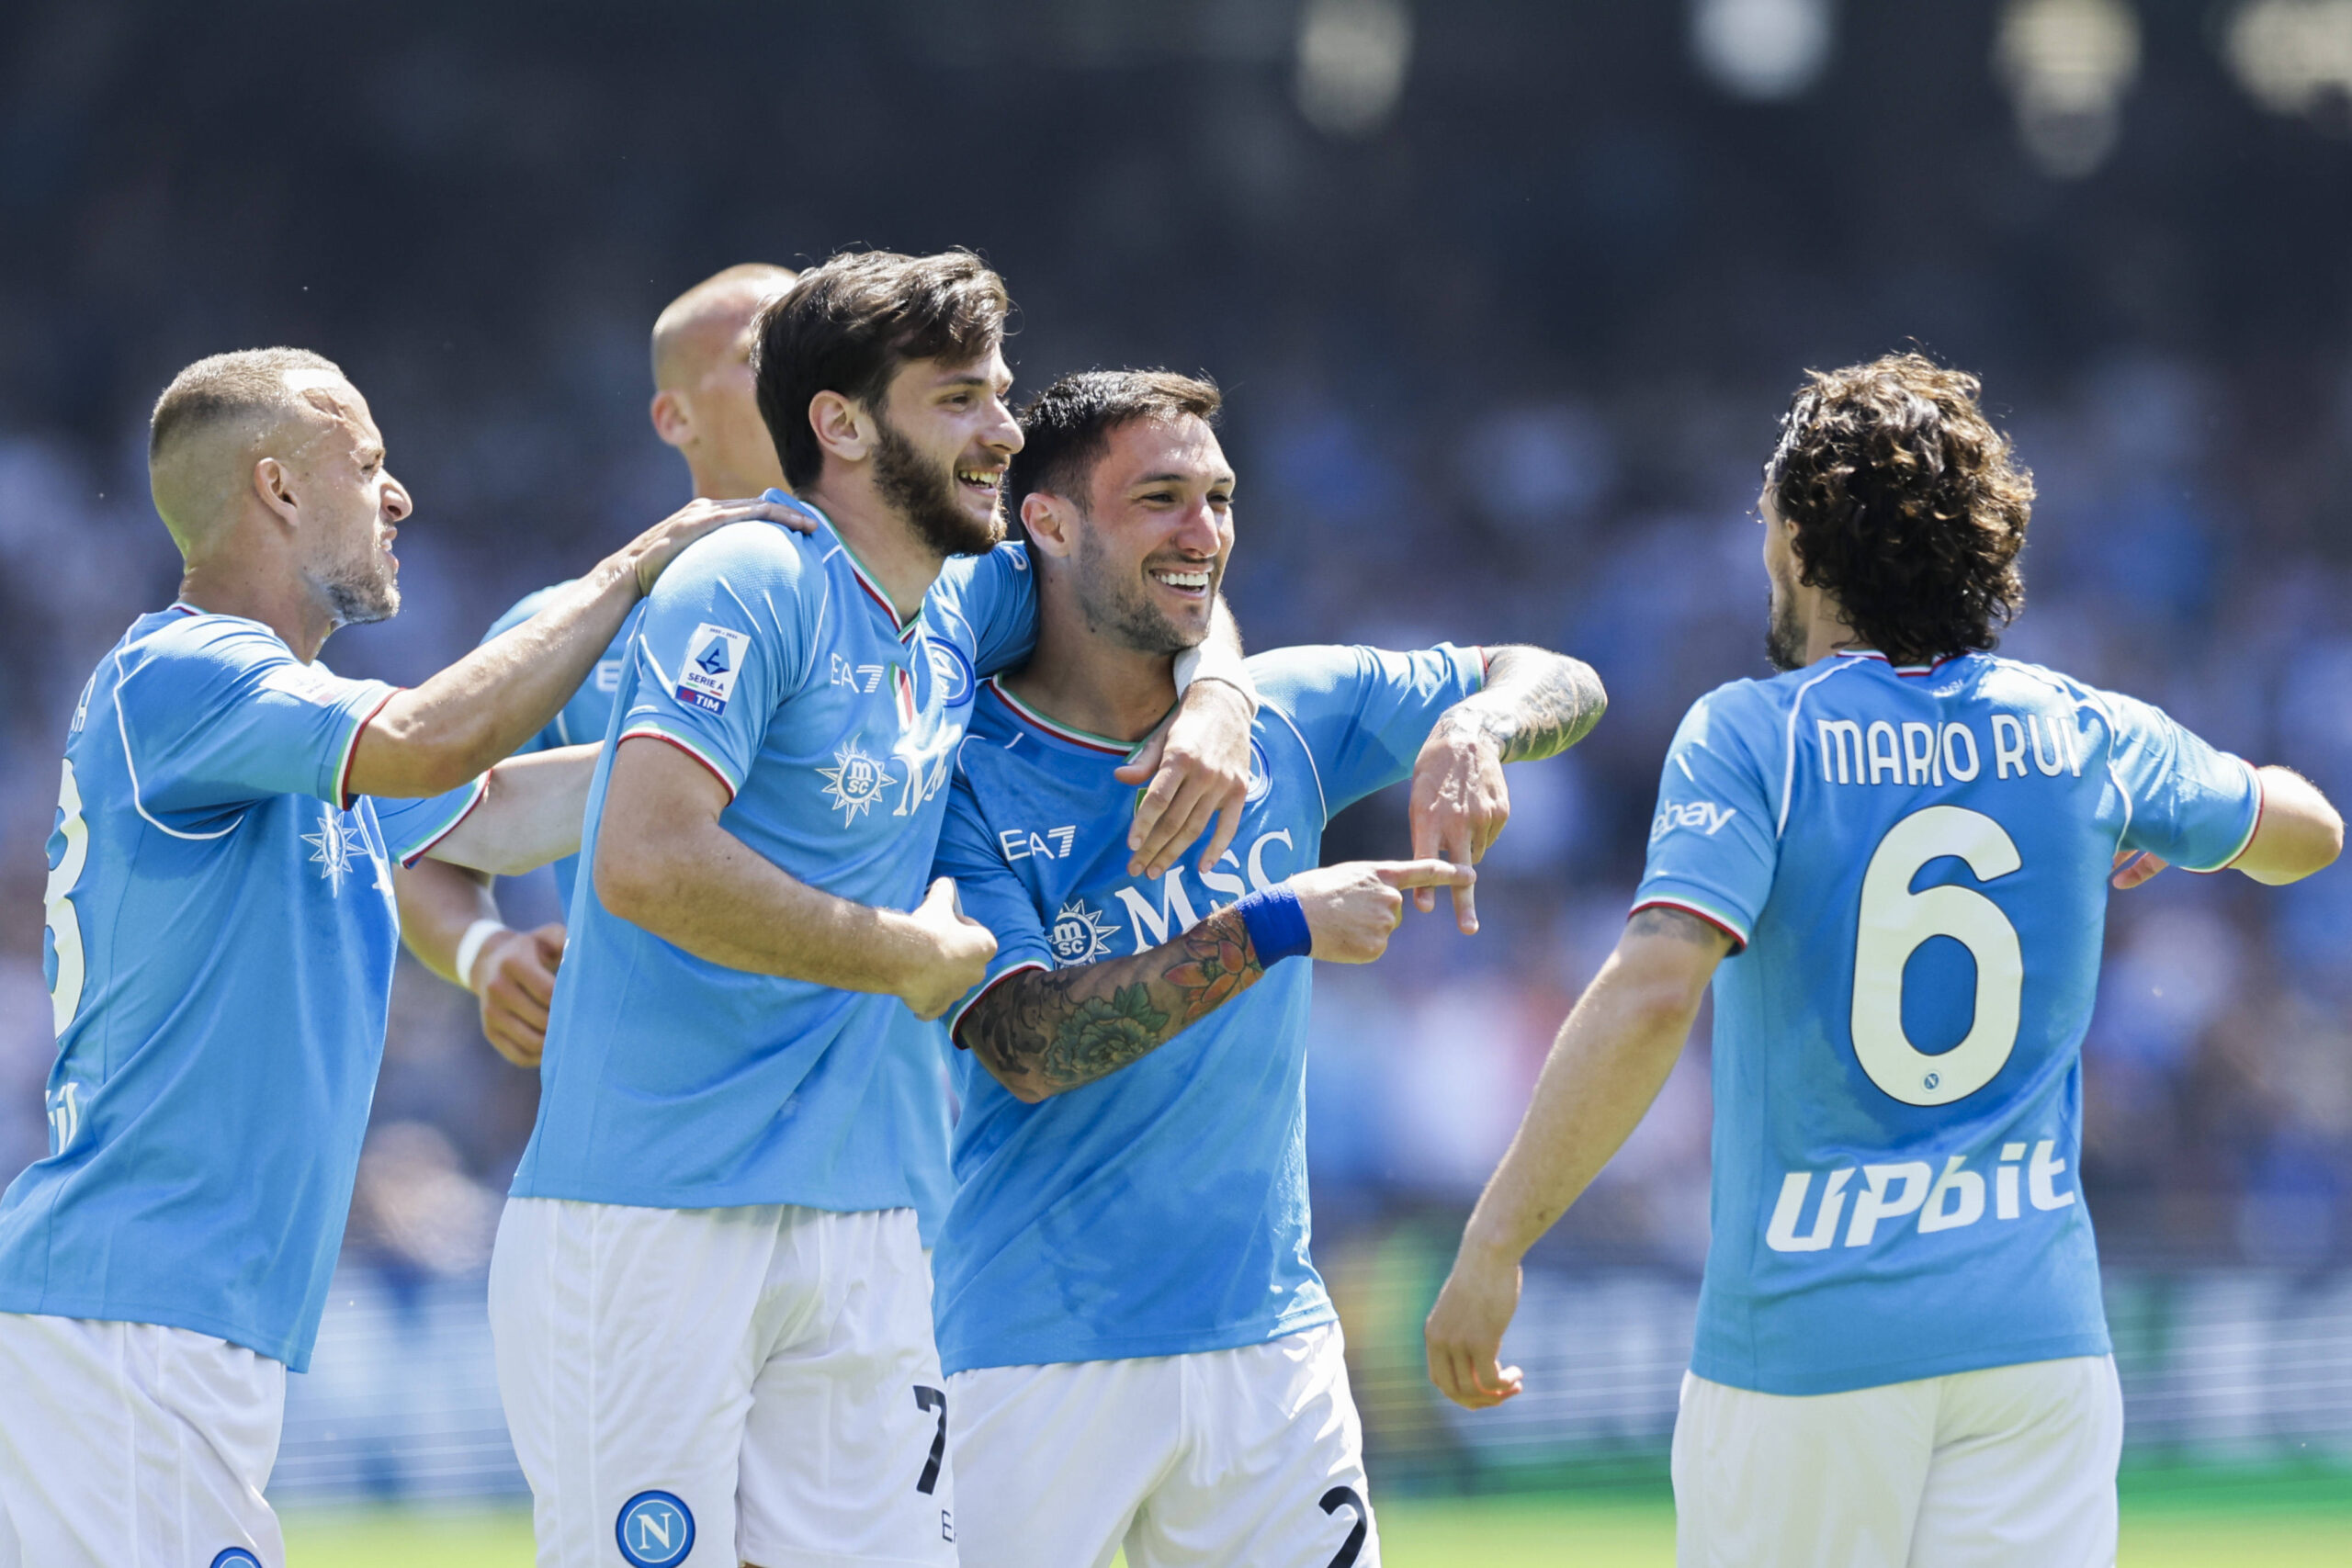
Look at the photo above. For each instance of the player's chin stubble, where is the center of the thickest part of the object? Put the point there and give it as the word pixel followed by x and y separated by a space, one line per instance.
pixel 363 592
pixel 926 498
pixel 1119 607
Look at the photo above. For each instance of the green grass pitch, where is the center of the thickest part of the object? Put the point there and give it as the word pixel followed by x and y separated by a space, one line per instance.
pixel 2170 1520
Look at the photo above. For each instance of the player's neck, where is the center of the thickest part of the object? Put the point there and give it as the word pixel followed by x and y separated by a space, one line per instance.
pixel 1083 679
pixel 885 544
pixel 278 600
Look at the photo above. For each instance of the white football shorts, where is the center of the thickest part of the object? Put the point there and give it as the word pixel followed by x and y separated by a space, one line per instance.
pixel 1212 1460
pixel 130 1445
pixel 2007 1467
pixel 695 1388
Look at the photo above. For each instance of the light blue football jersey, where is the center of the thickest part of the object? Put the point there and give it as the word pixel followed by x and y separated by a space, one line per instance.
pixel 1162 1209
pixel 669 1081
pixel 220 954
pixel 582 720
pixel 1915 861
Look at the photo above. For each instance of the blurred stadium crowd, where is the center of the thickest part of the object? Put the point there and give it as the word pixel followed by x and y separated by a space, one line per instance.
pixel 1507 296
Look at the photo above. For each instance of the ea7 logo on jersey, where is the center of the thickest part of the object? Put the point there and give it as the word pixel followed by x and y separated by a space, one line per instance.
pixel 1704 815
pixel 1020 843
pixel 856 677
pixel 714 657
pixel 1080 934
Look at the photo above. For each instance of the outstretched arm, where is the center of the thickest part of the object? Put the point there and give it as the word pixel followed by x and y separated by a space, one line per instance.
pixel 1533 705
pixel 1041 1031
pixel 2297 833
pixel 1611 1059
pixel 459 722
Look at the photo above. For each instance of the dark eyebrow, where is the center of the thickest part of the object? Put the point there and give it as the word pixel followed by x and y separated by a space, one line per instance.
pixel 1216 481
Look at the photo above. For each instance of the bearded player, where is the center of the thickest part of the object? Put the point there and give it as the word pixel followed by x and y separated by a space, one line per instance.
pixel 1892 863
pixel 704 406
pixel 1138 1348
pixel 711 1293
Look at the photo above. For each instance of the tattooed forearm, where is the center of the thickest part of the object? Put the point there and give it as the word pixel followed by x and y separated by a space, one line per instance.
pixel 1535 704
pixel 1042 1031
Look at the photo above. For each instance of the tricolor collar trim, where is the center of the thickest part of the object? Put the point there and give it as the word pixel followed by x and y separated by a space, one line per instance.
pixel 905 628
pixel 185 608
pixel 1078 738
pixel 1909 670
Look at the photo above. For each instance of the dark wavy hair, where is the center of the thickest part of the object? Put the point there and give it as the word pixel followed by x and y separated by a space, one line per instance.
pixel 1066 428
pixel 1908 507
pixel 849 325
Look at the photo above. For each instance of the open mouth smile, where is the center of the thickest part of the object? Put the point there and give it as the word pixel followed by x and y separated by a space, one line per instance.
pixel 1193 583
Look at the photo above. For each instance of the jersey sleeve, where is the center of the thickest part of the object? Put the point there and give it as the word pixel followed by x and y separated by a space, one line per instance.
pixel 1363 712
pixel 1714 846
pixel 725 635
pixel 224 715
pixel 2196 806
pixel 548 737
pixel 411 828
pixel 990 893
pixel 996 596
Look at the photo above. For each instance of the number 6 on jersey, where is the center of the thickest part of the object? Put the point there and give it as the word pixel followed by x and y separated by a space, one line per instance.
pixel 1895 921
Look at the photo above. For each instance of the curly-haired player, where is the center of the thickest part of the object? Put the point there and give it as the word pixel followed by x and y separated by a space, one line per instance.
pixel 1893 862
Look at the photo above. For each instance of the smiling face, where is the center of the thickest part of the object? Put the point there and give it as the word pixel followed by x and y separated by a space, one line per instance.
pixel 944 439
pixel 350 505
pixel 1154 535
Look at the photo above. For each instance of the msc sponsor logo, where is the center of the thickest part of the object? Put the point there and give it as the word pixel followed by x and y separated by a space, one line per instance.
pixel 855 781
pixel 1705 816
pixel 714 659
pixel 339 844
pixel 1950 1199
pixel 236 1557
pixel 655 1530
pixel 1174 914
pixel 1080 933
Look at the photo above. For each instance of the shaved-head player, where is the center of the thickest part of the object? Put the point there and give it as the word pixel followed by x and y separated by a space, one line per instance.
pixel 702 405
pixel 220 945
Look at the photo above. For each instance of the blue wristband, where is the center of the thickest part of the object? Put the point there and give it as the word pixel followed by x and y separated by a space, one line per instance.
pixel 1276 921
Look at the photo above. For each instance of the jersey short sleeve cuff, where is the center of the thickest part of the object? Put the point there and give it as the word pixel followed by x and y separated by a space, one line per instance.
pixel 411 828
pixel 2253 821
pixel 999 972
pixel 366 700
pixel 652 730
pixel 1673 893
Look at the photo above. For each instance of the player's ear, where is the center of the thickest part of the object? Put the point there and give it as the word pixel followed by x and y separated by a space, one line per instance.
pixel 673 421
pixel 1050 521
pixel 274 483
pixel 843 428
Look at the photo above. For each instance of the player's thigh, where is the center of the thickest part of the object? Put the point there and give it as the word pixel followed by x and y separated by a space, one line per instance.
pixel 1823 1481
pixel 1271 1472
pixel 127 1445
pixel 844 1456
pixel 2024 1468
pixel 626 1340
pixel 1052 1462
